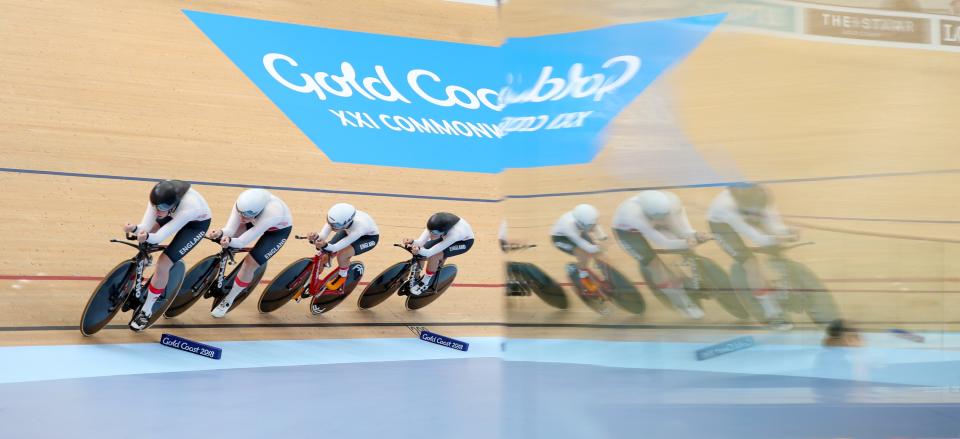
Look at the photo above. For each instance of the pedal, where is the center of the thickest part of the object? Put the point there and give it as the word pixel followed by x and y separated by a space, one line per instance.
pixel 305 294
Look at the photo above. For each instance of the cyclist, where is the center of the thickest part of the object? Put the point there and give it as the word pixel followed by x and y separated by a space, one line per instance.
pixel 572 234
pixel 657 219
pixel 745 210
pixel 175 209
pixel 257 216
pixel 356 233
pixel 446 235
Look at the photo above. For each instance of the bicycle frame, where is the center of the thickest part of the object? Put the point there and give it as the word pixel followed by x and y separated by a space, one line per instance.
pixel 142 258
pixel 320 261
pixel 415 267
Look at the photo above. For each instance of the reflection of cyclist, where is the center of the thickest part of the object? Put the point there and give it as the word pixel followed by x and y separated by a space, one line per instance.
pixel 656 219
pixel 571 234
pixel 356 233
pixel 257 215
pixel 174 210
pixel 446 235
pixel 745 210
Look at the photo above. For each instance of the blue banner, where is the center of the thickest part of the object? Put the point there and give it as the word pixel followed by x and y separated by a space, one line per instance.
pixel 395 101
pixel 193 347
pixel 725 347
pixel 451 343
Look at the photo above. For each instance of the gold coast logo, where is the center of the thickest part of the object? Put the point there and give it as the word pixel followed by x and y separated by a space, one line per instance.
pixel 387 100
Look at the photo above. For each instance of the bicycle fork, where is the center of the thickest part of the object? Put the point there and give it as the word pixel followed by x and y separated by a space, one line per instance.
pixel 414 275
pixel 138 285
pixel 220 272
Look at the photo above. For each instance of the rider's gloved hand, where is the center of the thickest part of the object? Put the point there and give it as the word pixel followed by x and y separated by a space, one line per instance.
pixel 142 236
pixel 415 249
pixel 129 228
pixel 321 244
pixel 313 237
pixel 703 237
pixel 407 242
pixel 225 241
pixel 215 234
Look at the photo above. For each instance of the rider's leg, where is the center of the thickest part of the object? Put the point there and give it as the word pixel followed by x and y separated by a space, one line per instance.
pixel 358 247
pixel 583 272
pixel 343 267
pixel 158 283
pixel 761 288
pixel 248 267
pixel 267 246
pixel 730 241
pixel 184 241
pixel 433 262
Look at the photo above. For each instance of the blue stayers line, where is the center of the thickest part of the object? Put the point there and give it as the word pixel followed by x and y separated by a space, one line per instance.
pixel 522 196
pixel 874 220
pixel 238 185
pixel 721 184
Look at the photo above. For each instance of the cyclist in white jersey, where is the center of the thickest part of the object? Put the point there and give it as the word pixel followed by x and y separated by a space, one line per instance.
pixel 175 209
pixel 257 216
pixel 657 220
pixel 355 233
pixel 446 235
pixel 746 211
pixel 574 234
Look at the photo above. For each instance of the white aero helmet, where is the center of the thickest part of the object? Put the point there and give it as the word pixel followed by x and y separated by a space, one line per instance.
pixel 252 201
pixel 656 205
pixel 585 215
pixel 340 216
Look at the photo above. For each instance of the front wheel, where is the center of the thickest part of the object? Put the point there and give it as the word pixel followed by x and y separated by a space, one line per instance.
pixel 384 285
pixel 286 285
pixel 542 285
pixel 107 298
pixel 819 303
pixel 623 292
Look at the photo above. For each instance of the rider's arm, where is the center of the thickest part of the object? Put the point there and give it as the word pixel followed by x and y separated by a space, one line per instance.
pixel 657 239
pixel 180 219
pixel 774 223
pixel 584 244
pixel 255 232
pixel 681 223
pixel 599 233
pixel 448 240
pixel 754 235
pixel 573 234
pixel 325 231
pixel 149 219
pixel 233 223
pixel 422 239
pixel 351 237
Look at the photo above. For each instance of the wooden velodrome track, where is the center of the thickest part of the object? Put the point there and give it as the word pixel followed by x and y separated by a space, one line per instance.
pixel 133 89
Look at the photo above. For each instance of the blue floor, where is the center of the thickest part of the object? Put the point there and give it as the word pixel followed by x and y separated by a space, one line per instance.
pixel 396 388
pixel 466 398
